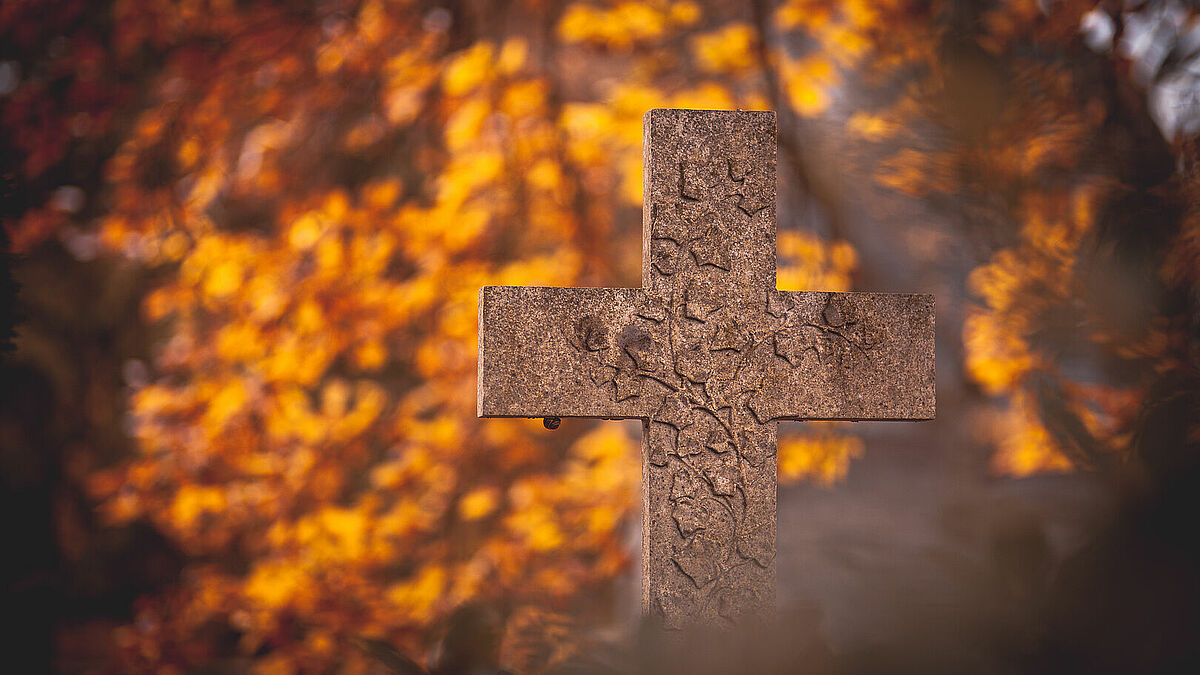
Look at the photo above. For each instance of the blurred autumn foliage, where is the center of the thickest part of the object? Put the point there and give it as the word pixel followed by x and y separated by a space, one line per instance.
pixel 276 216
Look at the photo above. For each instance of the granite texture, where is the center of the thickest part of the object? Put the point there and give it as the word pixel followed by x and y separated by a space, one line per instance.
pixel 710 356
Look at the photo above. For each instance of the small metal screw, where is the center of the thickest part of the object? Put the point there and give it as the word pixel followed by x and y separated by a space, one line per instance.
pixel 551 423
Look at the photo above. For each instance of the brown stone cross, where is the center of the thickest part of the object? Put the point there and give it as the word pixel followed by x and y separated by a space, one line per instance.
pixel 709 355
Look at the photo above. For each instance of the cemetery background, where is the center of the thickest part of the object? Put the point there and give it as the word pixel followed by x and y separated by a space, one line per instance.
pixel 238 418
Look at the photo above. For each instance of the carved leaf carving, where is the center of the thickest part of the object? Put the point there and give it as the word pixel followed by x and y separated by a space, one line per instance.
pixel 699 305
pixel 692 361
pixel 735 603
pixel 708 179
pixel 666 224
pixel 588 334
pixel 718 441
pixel 760 405
pixel 722 478
pixel 752 449
pixel 602 374
pixel 753 193
pixel 662 436
pixel 753 198
pixel 699 567
pixel 628 385
pixel 832 314
pixel 722 392
pixel 705 553
pixel 637 344
pixel 729 334
pixel 713 249
pixel 682 487
pixel 674 607
pixel 687 516
pixel 676 411
pixel 653 308
pixel 700 559
pixel 777 305
pixel 690 442
pixel 725 390
pixel 756 545
pixel 664 255
pixel 792 343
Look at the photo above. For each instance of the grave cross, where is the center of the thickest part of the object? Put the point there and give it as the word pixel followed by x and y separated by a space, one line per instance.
pixel 709 355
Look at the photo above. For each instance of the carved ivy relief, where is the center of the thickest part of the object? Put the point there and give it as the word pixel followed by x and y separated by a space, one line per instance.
pixel 704 366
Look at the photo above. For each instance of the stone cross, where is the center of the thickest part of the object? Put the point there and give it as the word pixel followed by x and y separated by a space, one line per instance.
pixel 709 355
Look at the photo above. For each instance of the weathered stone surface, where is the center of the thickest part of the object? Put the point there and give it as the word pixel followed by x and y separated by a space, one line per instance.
pixel 710 356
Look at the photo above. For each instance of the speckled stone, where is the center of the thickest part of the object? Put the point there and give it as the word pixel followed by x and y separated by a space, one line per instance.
pixel 709 355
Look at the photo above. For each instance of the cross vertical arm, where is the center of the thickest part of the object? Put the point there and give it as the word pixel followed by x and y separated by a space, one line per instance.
pixel 708 466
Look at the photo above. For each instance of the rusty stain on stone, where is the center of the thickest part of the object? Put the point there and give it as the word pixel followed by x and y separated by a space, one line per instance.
pixel 710 356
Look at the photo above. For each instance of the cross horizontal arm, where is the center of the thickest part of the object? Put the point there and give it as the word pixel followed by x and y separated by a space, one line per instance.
pixel 849 356
pixel 563 352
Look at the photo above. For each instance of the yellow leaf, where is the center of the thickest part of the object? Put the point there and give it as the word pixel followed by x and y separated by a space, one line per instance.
pixel 223 279
pixel 370 355
pixel 466 124
pixel 808 81
pixel 728 49
pixel 577 22
pixel 334 398
pixel 228 401
pixel 523 98
pixel 478 503
pixel 193 500
pixel 468 69
pixel 416 598
pixel 512 55
pixel 273 584
pixel 684 13
pixel 305 231
pixel 871 127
